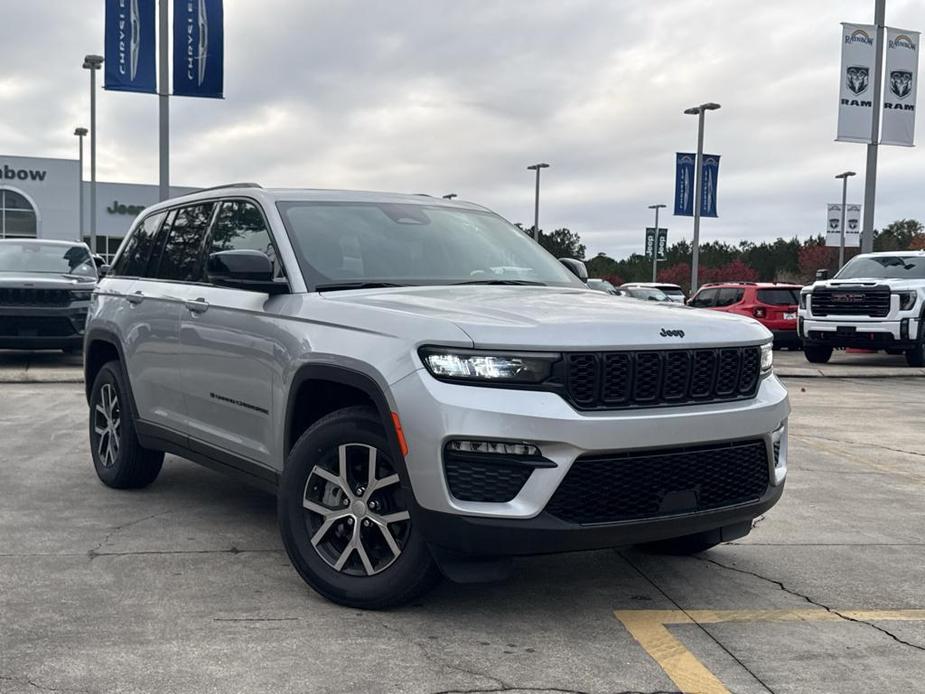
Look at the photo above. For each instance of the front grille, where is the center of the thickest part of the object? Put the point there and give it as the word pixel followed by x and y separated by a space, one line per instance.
pixel 851 302
pixel 487 481
pixel 612 380
pixel 21 296
pixel 635 485
pixel 32 326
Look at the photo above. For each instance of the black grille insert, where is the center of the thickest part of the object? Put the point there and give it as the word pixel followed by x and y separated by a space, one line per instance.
pixel 613 380
pixel 650 484
pixel 24 296
pixel 851 302
pixel 32 326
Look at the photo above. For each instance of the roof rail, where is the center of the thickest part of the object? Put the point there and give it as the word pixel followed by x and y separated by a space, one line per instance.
pixel 243 184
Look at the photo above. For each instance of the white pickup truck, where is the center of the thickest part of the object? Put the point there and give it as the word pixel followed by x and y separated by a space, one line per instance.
pixel 876 301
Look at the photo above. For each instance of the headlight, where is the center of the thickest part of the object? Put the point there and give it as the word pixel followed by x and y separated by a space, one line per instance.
pixel 767 358
pixel 804 297
pixel 81 294
pixel 906 300
pixel 501 367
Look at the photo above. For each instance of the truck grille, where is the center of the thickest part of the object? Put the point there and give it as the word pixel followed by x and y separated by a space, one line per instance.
pixel 613 380
pixel 634 485
pixel 22 296
pixel 851 302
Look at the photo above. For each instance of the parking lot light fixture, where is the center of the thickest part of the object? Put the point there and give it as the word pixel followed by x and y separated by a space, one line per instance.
pixel 93 63
pixel 844 176
pixel 536 199
pixel 698 111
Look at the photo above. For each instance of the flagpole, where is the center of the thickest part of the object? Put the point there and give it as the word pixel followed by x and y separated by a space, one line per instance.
pixel 164 103
pixel 870 177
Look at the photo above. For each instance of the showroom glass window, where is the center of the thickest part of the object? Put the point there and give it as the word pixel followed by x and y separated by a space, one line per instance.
pixel 17 216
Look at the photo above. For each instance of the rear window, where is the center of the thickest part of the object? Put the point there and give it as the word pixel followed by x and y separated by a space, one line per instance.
pixel 779 297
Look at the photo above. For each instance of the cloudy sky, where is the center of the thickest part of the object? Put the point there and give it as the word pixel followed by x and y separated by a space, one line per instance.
pixel 459 96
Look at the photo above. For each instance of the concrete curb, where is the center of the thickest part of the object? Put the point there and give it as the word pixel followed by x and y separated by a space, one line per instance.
pixel 848 372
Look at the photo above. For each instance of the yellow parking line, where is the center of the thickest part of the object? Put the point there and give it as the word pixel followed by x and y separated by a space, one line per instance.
pixel 691 676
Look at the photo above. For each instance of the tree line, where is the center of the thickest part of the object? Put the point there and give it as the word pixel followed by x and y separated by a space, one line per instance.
pixel 781 260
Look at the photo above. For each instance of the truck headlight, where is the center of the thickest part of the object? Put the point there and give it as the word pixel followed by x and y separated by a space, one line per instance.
pixel 804 297
pixel 906 300
pixel 767 358
pixel 449 364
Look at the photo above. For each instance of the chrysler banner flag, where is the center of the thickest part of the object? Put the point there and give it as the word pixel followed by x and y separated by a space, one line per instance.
pixel 198 48
pixel 684 185
pixel 852 226
pixel 658 245
pixel 130 47
pixel 856 101
pixel 899 86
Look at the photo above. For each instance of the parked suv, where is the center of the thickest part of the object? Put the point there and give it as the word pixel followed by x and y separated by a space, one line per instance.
pixel 672 291
pixel 771 304
pixel 45 289
pixel 423 387
pixel 876 301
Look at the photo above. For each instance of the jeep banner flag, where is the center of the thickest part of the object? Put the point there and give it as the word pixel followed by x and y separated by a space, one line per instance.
pixel 657 244
pixel 899 86
pixel 709 179
pixel 856 101
pixel 129 46
pixel 684 184
pixel 852 226
pixel 198 48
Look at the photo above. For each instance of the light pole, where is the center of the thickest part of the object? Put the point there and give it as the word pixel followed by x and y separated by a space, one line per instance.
pixel 450 196
pixel 81 133
pixel 655 244
pixel 870 175
pixel 698 111
pixel 844 212
pixel 93 63
pixel 163 101
pixel 536 200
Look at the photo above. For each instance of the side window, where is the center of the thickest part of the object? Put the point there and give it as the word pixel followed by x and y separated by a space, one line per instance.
pixel 705 299
pixel 729 296
pixel 239 225
pixel 134 259
pixel 181 256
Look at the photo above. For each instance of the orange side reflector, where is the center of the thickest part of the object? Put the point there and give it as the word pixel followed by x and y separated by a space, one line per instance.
pixel 400 434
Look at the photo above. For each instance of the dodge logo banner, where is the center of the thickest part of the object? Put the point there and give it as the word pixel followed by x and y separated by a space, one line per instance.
pixel 198 48
pixel 855 104
pixel 899 86
pixel 130 49
pixel 852 226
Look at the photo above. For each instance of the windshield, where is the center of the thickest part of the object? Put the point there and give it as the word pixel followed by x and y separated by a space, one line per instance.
pixel 884 267
pixel 51 258
pixel 356 244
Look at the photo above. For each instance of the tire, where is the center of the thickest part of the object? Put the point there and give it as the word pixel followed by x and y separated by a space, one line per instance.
pixel 119 460
pixel 817 354
pixel 916 355
pixel 682 546
pixel 338 545
pixel 895 352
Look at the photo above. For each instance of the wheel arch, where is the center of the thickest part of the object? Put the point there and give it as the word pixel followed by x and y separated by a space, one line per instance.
pixel 100 346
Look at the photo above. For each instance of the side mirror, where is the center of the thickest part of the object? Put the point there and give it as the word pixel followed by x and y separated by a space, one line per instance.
pixel 244 269
pixel 576 267
pixel 98 261
pixel 103 270
pixel 822 275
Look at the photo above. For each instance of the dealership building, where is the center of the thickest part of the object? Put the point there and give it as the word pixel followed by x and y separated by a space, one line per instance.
pixel 40 198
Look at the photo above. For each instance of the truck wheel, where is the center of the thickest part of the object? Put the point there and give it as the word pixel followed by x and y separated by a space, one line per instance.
pixel 916 355
pixel 119 460
pixel 344 516
pixel 817 354
pixel 680 546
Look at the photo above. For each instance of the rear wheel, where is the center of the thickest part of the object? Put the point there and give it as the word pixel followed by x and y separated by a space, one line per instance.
pixel 344 517
pixel 916 355
pixel 817 354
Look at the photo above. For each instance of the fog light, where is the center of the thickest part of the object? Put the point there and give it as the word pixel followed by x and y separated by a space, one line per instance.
pixel 495 448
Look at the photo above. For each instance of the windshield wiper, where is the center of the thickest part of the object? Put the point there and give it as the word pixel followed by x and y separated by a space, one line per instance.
pixel 336 286
pixel 512 282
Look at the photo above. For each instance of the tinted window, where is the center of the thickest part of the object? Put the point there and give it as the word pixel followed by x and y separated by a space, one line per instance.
pixel 180 257
pixel 779 297
pixel 884 267
pixel 134 259
pixel 705 298
pixel 239 225
pixel 729 295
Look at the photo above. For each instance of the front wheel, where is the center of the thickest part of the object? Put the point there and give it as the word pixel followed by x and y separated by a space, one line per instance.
pixel 916 355
pixel 817 354
pixel 344 516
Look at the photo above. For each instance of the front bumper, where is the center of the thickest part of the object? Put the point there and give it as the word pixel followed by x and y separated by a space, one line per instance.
pixel 33 327
pixel 864 334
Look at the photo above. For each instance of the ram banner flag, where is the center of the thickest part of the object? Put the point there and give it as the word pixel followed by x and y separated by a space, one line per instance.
pixel 198 48
pixel 684 184
pixel 899 87
pixel 709 179
pixel 856 101
pixel 129 46
pixel 852 226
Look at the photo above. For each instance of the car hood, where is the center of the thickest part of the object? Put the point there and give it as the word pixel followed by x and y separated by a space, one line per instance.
pixel 45 280
pixel 515 317
pixel 896 284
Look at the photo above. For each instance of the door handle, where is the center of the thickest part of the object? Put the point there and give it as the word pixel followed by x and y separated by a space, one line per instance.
pixel 199 305
pixel 135 298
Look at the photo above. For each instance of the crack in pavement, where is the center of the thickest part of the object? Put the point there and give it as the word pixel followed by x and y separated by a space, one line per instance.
pixel 808 599
pixel 32 683
pixel 849 443
pixel 94 551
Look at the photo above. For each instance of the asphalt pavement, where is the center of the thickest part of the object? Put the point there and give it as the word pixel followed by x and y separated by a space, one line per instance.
pixel 184 587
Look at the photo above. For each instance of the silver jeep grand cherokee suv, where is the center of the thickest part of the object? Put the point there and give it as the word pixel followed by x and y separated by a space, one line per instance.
pixel 423 387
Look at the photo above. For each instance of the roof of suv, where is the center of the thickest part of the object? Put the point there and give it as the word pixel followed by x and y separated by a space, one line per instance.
pixel 757 285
